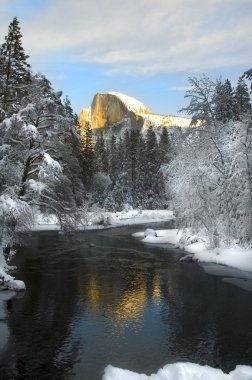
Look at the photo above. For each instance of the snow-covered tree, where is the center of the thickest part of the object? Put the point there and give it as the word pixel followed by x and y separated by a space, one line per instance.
pixel 209 179
pixel 248 75
pixel 101 154
pixel 242 99
pixel 201 106
pixel 14 70
pixel 224 102
pixel 113 165
pixel 163 146
pixel 40 142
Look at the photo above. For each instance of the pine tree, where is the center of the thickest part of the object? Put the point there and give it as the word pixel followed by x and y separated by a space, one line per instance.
pixel 88 155
pixel 242 99
pixel 101 154
pixel 141 170
pixel 14 69
pixel 152 182
pixel 248 75
pixel 163 147
pixel 224 103
pixel 126 173
pixel 113 154
pixel 68 108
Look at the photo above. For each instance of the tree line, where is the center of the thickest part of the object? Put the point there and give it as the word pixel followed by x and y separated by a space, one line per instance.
pixel 128 170
pixel 209 178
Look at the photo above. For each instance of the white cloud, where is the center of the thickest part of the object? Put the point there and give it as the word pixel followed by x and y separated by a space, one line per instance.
pixel 180 88
pixel 144 36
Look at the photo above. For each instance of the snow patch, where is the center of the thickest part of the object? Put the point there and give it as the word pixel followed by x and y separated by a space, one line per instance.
pixel 51 162
pixel 30 131
pixel 234 256
pixel 172 236
pixel 150 232
pixel 131 103
pixel 181 371
pixel 36 186
pixel 10 281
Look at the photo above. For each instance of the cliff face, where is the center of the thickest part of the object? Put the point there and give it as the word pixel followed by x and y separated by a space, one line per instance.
pixel 107 109
pixel 117 111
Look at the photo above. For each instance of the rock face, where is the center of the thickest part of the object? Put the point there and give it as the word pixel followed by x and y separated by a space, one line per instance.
pixel 116 110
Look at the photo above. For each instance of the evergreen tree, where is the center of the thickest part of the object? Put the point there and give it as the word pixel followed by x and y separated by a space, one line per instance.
pixel 152 173
pixel 242 99
pixel 141 171
pixel 68 108
pixel 14 69
pixel 248 75
pixel 113 154
pixel 125 178
pixel 72 154
pixel 88 155
pixel 133 147
pixel 101 155
pixel 163 147
pixel 224 103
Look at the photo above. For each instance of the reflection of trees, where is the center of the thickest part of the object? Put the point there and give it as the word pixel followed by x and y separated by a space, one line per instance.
pixel 39 323
pixel 209 320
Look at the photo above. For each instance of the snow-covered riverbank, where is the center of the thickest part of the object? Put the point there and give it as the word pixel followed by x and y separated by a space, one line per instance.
pixel 181 371
pixel 5 278
pixel 234 256
pixel 105 219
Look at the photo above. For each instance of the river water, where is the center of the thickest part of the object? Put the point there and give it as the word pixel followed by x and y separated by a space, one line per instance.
pixel 118 302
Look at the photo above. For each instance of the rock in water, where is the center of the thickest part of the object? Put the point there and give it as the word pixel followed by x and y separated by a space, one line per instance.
pixel 150 232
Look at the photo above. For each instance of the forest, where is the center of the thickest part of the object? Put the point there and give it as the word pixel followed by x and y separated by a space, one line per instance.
pixel 48 164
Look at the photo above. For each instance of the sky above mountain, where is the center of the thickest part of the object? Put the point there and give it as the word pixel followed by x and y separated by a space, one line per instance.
pixel 143 48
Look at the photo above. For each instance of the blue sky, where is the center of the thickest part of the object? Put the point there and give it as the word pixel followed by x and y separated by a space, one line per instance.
pixel 143 48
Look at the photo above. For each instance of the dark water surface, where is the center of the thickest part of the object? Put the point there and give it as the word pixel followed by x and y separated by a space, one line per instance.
pixel 120 302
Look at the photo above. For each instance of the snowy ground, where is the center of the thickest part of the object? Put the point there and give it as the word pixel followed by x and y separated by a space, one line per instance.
pixel 97 220
pixel 181 371
pixel 235 256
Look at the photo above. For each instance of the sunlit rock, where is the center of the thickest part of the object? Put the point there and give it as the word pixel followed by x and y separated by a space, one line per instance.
pixel 119 111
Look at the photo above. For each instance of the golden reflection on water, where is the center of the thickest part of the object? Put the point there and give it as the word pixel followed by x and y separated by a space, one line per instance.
pixel 121 306
pixel 156 293
pixel 94 294
pixel 132 302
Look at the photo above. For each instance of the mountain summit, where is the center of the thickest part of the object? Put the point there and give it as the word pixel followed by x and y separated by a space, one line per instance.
pixel 117 110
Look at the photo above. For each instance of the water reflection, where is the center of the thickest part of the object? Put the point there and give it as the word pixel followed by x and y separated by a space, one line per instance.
pixel 233 276
pixel 132 302
pixel 156 294
pixel 122 303
pixel 5 296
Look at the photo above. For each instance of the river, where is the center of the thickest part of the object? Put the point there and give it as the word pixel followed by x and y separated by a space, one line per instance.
pixel 102 297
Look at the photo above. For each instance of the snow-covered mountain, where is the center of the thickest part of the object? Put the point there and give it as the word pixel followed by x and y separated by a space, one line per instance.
pixel 120 111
